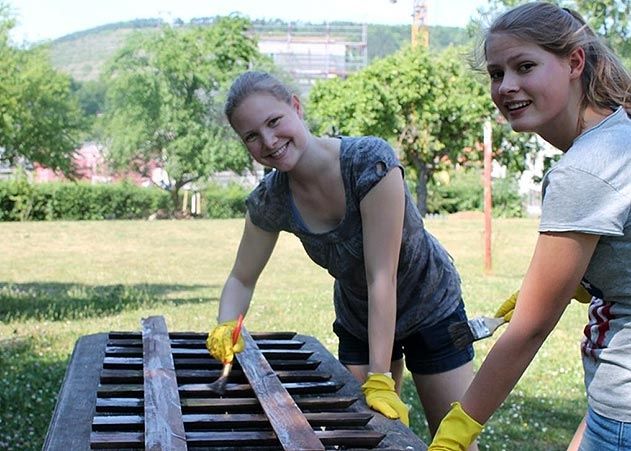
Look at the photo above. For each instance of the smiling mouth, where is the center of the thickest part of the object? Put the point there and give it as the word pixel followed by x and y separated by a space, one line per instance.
pixel 280 152
pixel 515 106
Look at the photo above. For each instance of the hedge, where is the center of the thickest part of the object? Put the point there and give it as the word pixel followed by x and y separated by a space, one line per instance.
pixel 23 201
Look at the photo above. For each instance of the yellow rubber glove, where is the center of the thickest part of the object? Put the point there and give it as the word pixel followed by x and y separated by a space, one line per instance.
pixel 508 306
pixel 456 432
pixel 220 344
pixel 382 397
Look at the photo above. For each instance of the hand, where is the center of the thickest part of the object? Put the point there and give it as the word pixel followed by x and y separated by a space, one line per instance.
pixel 582 295
pixel 456 432
pixel 220 342
pixel 382 397
pixel 508 306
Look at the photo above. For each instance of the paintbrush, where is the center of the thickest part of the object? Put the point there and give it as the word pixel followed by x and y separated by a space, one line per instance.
pixel 464 333
pixel 219 386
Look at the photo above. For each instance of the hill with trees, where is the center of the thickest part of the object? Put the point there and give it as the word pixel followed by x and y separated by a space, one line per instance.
pixel 83 54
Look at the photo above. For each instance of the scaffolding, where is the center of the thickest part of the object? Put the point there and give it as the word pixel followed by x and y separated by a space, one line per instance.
pixel 310 52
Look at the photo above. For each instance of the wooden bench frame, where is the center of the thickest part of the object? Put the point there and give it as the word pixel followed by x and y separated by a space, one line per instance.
pixel 75 417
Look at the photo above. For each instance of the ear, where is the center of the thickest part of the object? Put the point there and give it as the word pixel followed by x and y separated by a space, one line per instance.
pixel 297 106
pixel 577 63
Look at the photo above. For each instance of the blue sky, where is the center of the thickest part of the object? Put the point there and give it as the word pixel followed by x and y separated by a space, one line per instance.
pixel 49 19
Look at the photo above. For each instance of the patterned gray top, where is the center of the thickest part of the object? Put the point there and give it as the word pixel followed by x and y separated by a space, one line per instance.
pixel 428 285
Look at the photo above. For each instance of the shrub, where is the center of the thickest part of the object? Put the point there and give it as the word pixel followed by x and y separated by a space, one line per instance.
pixel 221 202
pixel 21 201
pixel 465 192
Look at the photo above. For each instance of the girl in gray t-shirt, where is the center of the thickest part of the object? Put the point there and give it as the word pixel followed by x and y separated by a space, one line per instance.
pixel 396 289
pixel 552 76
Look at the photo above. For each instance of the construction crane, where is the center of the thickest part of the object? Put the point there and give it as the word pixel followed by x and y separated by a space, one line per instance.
pixel 420 29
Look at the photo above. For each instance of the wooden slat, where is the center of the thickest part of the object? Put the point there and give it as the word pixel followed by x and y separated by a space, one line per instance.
pixel 190 376
pixel 130 335
pixel 134 405
pixel 346 438
pixel 335 420
pixel 291 427
pixel 164 428
pixel 70 423
pixel 207 363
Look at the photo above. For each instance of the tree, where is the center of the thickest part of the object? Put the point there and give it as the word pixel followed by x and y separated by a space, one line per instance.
pixel 165 97
pixel 428 106
pixel 40 119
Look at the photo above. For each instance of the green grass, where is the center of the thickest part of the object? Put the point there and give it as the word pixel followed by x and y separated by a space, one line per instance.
pixel 61 280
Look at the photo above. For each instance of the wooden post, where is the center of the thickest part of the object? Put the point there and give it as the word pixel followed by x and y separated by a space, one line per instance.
pixel 488 199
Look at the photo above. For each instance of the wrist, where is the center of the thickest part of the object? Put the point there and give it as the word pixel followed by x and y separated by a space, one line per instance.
pixel 385 373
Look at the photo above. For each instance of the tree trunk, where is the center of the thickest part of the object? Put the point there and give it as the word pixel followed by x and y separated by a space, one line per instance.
pixel 175 198
pixel 421 188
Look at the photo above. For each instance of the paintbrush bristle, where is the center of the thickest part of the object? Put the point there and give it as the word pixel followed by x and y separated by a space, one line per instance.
pixel 461 334
pixel 466 332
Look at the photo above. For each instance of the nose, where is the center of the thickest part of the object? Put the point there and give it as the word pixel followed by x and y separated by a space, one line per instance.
pixel 509 84
pixel 269 139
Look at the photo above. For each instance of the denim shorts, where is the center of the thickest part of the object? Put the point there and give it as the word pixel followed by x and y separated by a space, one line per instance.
pixel 604 434
pixel 428 351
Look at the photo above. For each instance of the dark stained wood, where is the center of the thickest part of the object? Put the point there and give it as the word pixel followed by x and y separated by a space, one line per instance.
pixel 327 398
pixel 131 405
pixel 68 427
pixel 331 420
pixel 164 428
pixel 347 438
pixel 291 427
pixel 190 376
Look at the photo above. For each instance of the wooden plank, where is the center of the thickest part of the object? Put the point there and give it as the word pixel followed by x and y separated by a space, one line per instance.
pixel 190 376
pixel 243 439
pixel 70 424
pixel 208 405
pixel 289 424
pixel 207 363
pixel 130 335
pixel 164 428
pixel 331 420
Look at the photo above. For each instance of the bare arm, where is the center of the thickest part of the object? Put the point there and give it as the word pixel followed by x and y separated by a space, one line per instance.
pixel 382 217
pixel 254 251
pixel 558 264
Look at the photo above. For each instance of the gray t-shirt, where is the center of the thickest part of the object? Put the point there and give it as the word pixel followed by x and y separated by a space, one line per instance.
pixel 428 285
pixel 589 191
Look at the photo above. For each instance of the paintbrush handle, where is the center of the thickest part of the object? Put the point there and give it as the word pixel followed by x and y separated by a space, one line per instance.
pixel 237 329
pixel 227 367
pixel 493 323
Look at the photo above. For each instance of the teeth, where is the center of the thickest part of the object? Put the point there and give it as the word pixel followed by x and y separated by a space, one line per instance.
pixel 517 105
pixel 278 152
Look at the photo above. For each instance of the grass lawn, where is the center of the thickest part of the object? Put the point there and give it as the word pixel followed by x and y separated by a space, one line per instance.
pixel 61 280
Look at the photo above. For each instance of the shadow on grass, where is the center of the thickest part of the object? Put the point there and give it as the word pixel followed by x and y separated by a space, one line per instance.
pixel 524 423
pixel 67 301
pixel 29 383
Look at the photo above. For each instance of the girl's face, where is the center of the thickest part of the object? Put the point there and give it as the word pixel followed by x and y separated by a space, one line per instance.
pixel 532 87
pixel 273 131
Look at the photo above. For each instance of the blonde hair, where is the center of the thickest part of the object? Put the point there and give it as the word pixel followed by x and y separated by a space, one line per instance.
pixel 605 81
pixel 252 82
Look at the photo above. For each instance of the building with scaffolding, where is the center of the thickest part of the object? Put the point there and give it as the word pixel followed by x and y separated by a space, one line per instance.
pixel 310 52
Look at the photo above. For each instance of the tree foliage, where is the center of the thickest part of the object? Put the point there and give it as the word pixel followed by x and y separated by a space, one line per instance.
pixel 165 97
pixel 40 120
pixel 427 105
